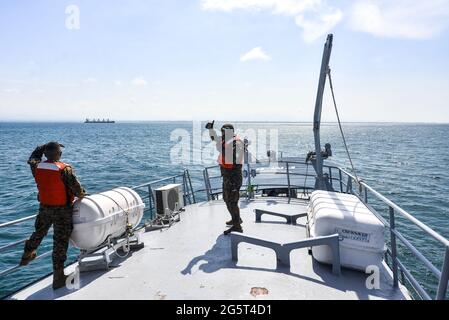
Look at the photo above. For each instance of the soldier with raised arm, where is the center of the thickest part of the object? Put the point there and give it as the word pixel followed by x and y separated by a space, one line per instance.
pixel 230 159
pixel 57 185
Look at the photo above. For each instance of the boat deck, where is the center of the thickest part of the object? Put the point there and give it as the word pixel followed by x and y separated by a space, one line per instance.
pixel 192 260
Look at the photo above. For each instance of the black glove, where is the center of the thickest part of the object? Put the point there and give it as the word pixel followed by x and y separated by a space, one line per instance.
pixel 210 125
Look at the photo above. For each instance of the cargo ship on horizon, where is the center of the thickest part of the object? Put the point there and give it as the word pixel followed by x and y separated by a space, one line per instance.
pixel 98 121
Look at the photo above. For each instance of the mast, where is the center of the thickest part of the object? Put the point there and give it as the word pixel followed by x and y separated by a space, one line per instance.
pixel 320 182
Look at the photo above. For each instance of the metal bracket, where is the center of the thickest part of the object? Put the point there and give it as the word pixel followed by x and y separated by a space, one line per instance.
pixel 164 221
pixel 283 250
pixel 290 218
pixel 100 258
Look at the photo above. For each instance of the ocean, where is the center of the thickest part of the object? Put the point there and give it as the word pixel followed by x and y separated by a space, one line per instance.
pixel 406 162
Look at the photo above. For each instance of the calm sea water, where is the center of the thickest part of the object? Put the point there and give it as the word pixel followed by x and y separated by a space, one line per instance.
pixel 406 162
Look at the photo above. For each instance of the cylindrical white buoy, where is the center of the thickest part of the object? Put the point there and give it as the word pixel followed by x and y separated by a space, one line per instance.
pixel 98 216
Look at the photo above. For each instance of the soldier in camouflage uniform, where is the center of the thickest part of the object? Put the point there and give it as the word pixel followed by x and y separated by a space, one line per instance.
pixel 231 150
pixel 52 212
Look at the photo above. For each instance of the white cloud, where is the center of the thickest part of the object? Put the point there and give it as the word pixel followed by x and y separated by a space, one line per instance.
pixel 11 90
pixel 255 54
pixel 320 25
pixel 287 7
pixel 315 17
pixel 117 83
pixel 414 19
pixel 139 81
pixel 90 80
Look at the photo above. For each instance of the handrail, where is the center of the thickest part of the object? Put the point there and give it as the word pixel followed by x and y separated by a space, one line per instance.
pixel 12 244
pixel 157 181
pixel 16 267
pixel 10 223
pixel 405 214
pixel 186 185
pixel 442 275
pixel 398 266
pixel 188 191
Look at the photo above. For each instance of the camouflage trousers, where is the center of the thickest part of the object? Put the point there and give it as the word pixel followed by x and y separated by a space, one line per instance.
pixel 232 181
pixel 61 219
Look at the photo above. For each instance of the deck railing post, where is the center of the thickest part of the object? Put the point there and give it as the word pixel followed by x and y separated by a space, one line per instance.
pixel 393 249
pixel 205 185
pixel 349 185
pixel 288 181
pixel 444 278
pixel 341 180
pixel 150 199
pixel 190 185
pixel 187 192
pixel 184 189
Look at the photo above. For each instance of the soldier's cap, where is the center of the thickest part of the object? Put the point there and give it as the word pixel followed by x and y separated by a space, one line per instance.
pixel 53 146
pixel 227 126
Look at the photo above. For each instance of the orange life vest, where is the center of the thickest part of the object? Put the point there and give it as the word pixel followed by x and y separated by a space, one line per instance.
pixel 228 145
pixel 52 191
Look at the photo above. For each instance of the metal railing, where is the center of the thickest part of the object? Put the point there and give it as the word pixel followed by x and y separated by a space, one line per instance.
pixel 287 169
pixel 397 265
pixel 344 182
pixel 146 188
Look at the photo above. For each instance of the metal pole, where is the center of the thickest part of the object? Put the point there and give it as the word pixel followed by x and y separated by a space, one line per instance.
pixel 320 180
pixel 10 223
pixel 191 188
pixel 150 198
pixel 186 195
pixel 248 169
pixel 366 194
pixel 341 180
pixel 349 185
pixel 205 184
pixel 442 285
pixel 393 249
pixel 288 181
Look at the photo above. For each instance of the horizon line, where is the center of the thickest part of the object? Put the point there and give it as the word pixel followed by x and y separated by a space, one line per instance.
pixel 235 121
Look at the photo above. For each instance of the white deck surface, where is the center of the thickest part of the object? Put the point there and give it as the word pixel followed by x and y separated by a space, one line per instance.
pixel 192 260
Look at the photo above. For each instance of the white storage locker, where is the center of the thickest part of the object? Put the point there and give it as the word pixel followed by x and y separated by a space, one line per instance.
pixel 362 240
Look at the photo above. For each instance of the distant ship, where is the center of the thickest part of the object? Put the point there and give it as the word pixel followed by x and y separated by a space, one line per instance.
pixel 99 121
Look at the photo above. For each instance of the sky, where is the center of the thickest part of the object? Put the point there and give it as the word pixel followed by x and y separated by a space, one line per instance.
pixel 223 59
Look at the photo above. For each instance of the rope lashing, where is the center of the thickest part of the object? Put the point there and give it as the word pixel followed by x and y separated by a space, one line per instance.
pixel 339 125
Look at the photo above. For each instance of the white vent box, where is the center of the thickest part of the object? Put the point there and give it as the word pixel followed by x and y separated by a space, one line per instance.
pixel 168 199
pixel 362 240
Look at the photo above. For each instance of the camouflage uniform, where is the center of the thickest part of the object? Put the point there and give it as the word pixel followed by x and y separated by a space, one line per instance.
pixel 232 181
pixel 232 178
pixel 58 216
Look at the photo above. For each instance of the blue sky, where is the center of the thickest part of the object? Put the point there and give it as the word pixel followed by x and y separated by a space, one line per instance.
pixel 223 59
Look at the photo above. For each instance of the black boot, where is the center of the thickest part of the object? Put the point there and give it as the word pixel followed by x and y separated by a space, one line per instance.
pixel 59 278
pixel 234 228
pixel 27 257
pixel 230 223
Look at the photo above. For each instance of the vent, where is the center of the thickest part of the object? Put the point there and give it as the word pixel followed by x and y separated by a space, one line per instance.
pixel 169 197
